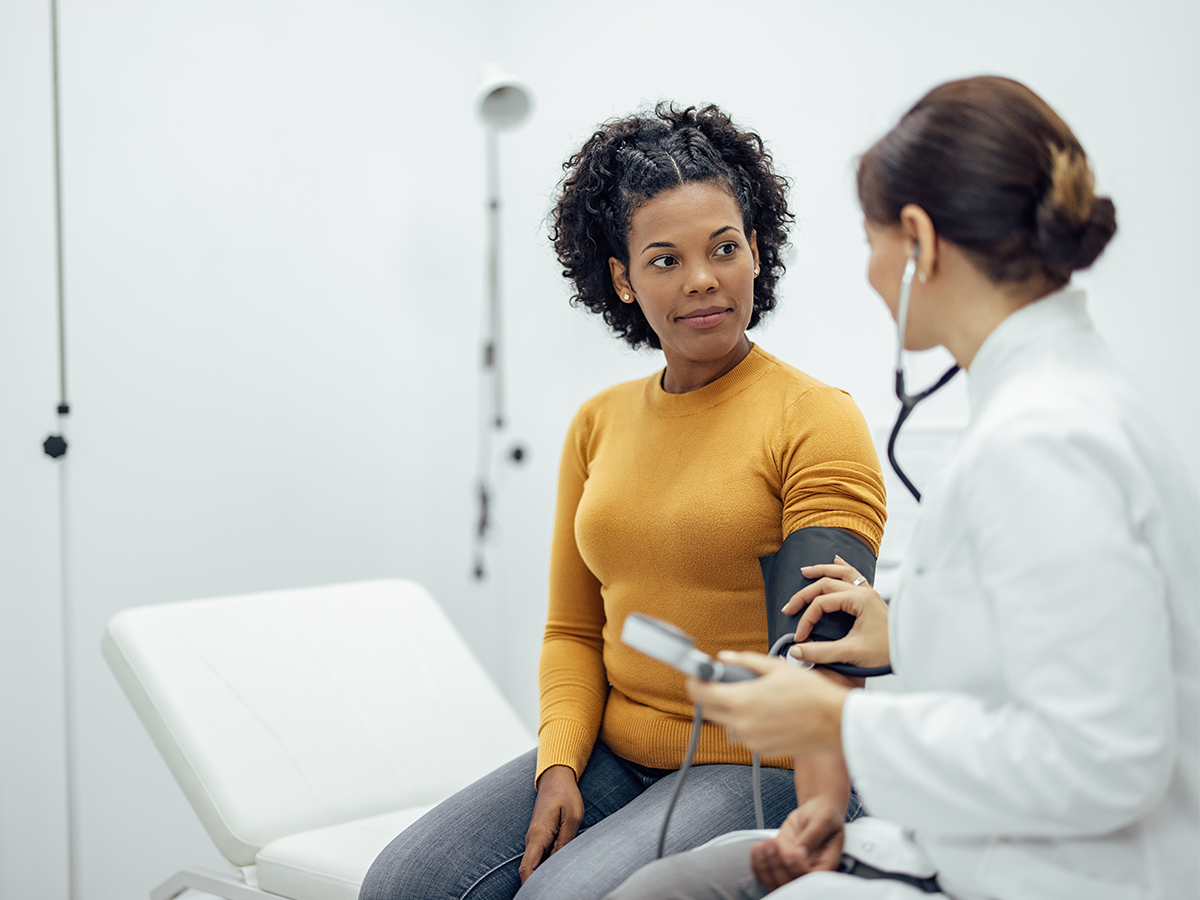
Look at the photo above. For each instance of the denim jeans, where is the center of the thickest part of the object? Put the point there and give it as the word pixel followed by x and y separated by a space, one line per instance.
pixel 470 846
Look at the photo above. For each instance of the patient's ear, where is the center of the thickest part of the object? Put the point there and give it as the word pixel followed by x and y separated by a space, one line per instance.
pixel 620 280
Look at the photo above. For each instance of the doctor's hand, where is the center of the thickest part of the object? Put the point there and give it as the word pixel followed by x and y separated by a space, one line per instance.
pixel 810 840
pixel 557 813
pixel 867 642
pixel 788 711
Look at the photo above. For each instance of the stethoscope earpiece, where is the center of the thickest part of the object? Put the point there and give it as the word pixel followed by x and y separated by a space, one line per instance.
pixel 908 401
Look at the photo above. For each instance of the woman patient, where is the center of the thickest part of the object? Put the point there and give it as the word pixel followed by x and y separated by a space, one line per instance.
pixel 1043 739
pixel 670 226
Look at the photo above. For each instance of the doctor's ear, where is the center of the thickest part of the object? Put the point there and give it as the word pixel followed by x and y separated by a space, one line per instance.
pixel 918 229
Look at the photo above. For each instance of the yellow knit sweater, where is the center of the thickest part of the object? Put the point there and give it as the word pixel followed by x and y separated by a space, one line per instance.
pixel 665 504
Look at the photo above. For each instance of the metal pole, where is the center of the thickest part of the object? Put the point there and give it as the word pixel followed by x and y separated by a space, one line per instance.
pixel 63 408
pixel 57 451
pixel 491 413
pixel 493 353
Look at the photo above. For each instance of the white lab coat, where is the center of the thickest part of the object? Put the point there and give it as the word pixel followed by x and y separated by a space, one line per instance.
pixel 1043 742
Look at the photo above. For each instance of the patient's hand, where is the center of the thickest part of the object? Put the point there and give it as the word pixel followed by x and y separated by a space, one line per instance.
pixel 557 813
pixel 810 840
pixel 867 642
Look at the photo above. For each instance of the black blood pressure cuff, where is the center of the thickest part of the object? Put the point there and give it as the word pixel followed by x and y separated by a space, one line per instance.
pixel 782 578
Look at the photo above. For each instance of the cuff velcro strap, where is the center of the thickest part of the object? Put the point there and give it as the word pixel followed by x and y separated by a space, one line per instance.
pixel 859 869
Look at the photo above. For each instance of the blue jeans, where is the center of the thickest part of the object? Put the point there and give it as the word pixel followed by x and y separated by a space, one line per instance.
pixel 470 846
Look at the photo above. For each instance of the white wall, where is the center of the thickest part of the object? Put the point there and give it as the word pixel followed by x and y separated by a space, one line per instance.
pixel 274 239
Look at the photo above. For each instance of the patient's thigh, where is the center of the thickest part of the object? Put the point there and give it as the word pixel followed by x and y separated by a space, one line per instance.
pixel 471 845
pixel 471 842
pixel 714 800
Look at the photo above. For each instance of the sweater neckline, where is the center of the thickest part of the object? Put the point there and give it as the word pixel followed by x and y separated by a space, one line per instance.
pixel 756 364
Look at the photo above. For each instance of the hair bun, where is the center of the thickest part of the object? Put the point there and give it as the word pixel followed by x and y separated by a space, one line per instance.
pixel 1073 224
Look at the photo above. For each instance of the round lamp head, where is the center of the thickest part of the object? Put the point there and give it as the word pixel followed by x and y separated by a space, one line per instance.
pixel 504 102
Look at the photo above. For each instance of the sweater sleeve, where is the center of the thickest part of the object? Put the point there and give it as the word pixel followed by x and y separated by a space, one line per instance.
pixel 829 468
pixel 573 685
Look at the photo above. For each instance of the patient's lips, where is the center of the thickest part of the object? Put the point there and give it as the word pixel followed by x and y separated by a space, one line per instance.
pixel 705 318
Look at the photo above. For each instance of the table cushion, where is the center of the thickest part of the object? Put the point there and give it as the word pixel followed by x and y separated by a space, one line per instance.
pixel 330 863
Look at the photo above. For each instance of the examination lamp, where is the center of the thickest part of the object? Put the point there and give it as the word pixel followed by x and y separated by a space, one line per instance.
pixel 503 102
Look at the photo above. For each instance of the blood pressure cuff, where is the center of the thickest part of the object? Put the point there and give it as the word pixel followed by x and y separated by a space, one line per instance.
pixel 782 577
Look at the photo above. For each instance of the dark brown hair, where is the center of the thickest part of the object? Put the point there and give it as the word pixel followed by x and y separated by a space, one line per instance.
pixel 1000 175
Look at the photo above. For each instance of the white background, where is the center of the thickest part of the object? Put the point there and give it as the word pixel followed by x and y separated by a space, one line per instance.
pixel 274 238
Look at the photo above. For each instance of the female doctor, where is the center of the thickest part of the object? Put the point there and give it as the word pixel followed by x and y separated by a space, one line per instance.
pixel 1042 741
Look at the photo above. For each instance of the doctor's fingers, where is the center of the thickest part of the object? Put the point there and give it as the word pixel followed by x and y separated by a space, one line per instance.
pixel 713 700
pixel 762 696
pixel 728 698
pixel 773 725
pixel 820 653
pixel 866 644
pixel 722 703
pixel 839 568
pixel 826 595
pixel 826 583
pixel 836 569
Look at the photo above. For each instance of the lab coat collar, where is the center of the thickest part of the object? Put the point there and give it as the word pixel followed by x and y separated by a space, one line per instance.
pixel 1035 328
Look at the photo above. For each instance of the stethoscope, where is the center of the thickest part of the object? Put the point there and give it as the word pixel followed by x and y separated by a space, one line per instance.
pixel 908 402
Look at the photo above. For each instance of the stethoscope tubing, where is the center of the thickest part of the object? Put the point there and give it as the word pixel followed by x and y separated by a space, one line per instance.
pixel 908 402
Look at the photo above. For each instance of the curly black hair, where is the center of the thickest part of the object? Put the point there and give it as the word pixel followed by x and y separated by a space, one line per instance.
pixel 629 161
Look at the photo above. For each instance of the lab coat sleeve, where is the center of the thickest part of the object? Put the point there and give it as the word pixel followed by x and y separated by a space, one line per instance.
pixel 1079 738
